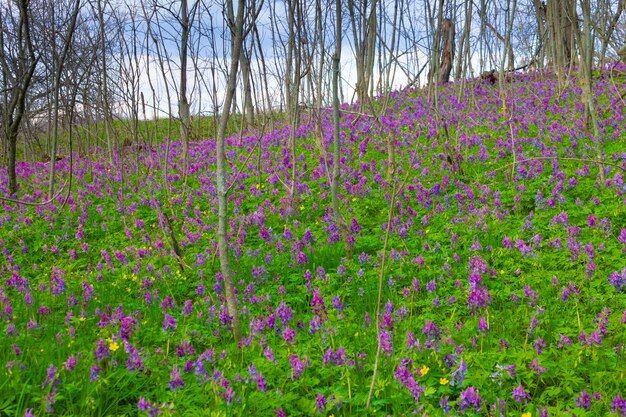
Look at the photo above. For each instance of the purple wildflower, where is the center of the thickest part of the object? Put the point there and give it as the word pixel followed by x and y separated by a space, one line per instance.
pixel 386 343
pixel 175 379
pixel 94 373
pixel 297 366
pixel 519 394
pixel 289 335
pixel 618 280
pixel 70 364
pixel 470 398
pixel 536 367
pixel 320 403
pixel 619 405
pixel 583 400
pixel 187 308
pixel 284 312
pixel 458 375
pixel 483 326
pixel 169 322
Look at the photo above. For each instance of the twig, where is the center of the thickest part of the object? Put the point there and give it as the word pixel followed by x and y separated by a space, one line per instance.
pixel 44 203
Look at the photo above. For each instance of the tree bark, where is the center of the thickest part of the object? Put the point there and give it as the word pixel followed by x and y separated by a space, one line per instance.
pixel 447 54
pixel 222 226
pixel 183 103
pixel 15 107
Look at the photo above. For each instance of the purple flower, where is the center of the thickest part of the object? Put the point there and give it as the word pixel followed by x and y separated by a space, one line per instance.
pixel 470 398
pixel 187 308
pixel 539 344
pixel 102 350
pixel 284 312
pixel 145 405
pixel 51 376
pixel 443 403
pixel 619 405
pixel 519 394
pixel 184 349
pixel 94 373
pixel 269 355
pixel 175 379
pixel 70 364
pixel 337 304
pixel 458 375
pixel 317 303
pixel 583 400
pixel 536 367
pixel 229 395
pixel 297 367
pixel 618 280
pixel 564 341
pixel 483 326
pixel 261 383
pixel 50 399
pixel 169 323
pixel 386 343
pixel 289 335
pixel 320 403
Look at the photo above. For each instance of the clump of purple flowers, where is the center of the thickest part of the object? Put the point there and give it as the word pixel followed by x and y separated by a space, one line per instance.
pixel 618 280
pixel 469 398
pixel 519 394
pixel 619 405
pixel 152 409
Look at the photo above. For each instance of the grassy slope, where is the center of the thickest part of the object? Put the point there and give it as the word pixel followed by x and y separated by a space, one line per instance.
pixel 102 265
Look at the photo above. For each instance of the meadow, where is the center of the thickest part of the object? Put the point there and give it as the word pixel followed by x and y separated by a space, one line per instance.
pixel 499 237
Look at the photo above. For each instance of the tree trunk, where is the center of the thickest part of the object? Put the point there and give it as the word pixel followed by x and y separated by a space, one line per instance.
pixel 447 54
pixel 338 217
pixel 12 148
pixel 183 103
pixel 57 81
pixel 222 225
pixel 15 107
pixel 247 91
pixel 105 91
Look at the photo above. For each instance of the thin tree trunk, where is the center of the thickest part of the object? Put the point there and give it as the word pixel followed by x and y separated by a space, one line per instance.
pixel 57 81
pixel 339 220
pixel 447 54
pixel 183 103
pixel 105 89
pixel 222 229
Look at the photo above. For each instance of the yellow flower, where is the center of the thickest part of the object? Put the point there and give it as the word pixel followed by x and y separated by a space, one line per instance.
pixel 113 346
pixel 424 370
pixel 527 415
pixel 258 186
pixel 443 381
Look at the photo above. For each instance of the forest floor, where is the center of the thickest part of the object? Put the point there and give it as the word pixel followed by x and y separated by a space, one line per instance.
pixel 503 277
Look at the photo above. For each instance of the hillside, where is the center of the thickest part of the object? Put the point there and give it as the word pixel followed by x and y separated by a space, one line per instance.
pixel 504 281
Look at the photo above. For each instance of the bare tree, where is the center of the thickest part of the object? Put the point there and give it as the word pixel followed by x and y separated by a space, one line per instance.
pixel 447 52
pixel 364 25
pixel 58 67
pixel 17 76
pixel 237 31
